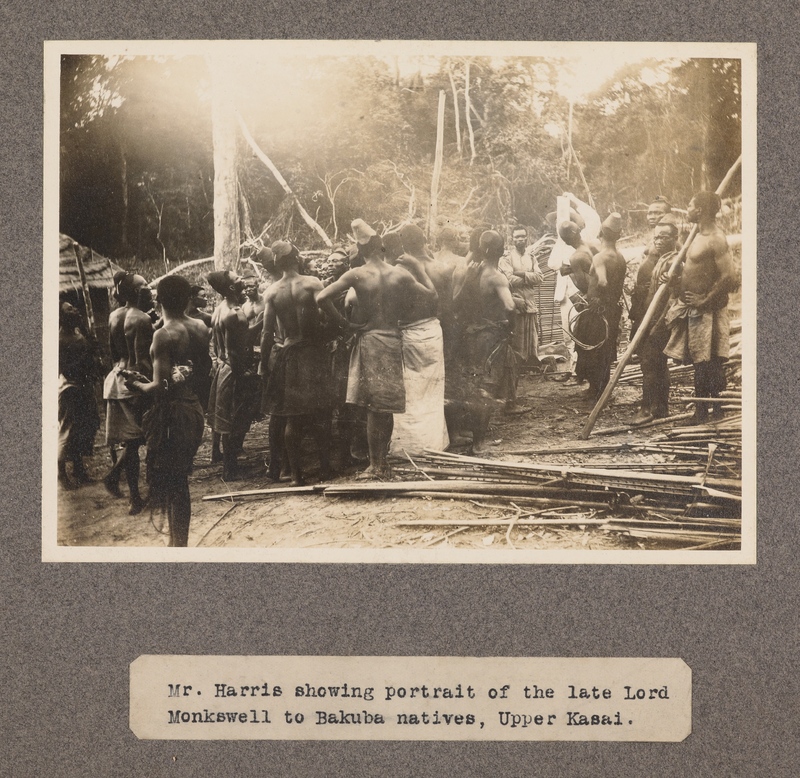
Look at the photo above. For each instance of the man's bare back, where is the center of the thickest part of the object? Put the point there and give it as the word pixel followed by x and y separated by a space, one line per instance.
pixel 292 300
pixel 580 263
pixel 138 329
pixel 607 276
pixel 381 290
pixel 230 332
pixel 495 294
pixel 116 335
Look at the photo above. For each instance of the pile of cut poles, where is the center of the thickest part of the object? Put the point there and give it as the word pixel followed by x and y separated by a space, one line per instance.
pixel 690 498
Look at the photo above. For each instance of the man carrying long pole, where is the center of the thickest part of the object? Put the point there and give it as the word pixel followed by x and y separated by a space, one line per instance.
pixel 655 305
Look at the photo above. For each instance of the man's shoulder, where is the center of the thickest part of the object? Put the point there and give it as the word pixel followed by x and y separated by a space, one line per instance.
pixel 233 315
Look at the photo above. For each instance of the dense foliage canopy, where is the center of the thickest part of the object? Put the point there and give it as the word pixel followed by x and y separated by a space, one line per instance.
pixel 355 136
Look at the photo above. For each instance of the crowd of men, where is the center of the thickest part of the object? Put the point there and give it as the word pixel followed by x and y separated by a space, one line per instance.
pixel 406 349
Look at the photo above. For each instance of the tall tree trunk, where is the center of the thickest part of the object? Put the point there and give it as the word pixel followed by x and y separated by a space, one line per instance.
pixel 437 168
pixel 226 215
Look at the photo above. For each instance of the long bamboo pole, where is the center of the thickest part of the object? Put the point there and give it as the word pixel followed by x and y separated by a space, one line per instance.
pixel 87 298
pixel 655 305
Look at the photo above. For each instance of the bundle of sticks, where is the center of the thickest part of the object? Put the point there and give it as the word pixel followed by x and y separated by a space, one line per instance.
pixel 687 491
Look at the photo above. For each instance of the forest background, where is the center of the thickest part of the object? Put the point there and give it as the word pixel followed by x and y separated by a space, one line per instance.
pixel 355 136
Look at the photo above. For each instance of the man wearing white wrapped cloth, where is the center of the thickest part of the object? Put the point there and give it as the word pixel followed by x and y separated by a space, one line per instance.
pixel 422 426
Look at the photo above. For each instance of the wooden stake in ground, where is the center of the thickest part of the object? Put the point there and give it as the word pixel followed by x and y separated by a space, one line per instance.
pixel 87 298
pixel 437 168
pixel 655 305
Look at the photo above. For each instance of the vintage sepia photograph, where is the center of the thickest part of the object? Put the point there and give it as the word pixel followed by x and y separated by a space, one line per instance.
pixel 399 301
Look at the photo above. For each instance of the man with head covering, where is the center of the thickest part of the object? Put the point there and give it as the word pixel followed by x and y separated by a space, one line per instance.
pixel 489 374
pixel 422 426
pixel 78 420
pixel 234 393
pixel 299 382
pixel 698 317
pixel 375 381
pixel 130 332
pixel 524 278
pixel 173 426
pixel 653 361
pixel 596 328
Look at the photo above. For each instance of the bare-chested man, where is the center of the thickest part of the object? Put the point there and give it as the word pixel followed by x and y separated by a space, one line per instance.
pixel 234 386
pixel 130 333
pixel 576 267
pixel 299 381
pixel 376 363
pixel 423 322
pixel 579 265
pixel 698 317
pixel 489 372
pixel 597 327
pixel 174 426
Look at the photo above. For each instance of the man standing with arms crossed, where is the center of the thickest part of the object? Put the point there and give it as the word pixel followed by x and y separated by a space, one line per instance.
pixel 375 380
pixel 698 317
pixel 524 276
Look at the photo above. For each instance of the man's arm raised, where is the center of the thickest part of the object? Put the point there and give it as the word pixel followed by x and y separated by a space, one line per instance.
pixel 416 270
pixel 324 297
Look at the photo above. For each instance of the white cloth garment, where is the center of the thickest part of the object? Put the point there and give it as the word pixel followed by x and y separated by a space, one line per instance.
pixel 422 425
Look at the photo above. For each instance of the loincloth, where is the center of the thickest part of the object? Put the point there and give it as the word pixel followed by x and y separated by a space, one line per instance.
pixel 78 420
pixel 597 328
pixel 233 401
pixel 697 336
pixel 422 425
pixel 299 381
pixel 173 428
pixel 490 362
pixel 375 378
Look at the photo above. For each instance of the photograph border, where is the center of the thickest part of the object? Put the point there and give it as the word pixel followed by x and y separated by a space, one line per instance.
pixel 52 552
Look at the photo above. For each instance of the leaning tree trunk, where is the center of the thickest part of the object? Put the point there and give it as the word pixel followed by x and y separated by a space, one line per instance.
pixel 226 215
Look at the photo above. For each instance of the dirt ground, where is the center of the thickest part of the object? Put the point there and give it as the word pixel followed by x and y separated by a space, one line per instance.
pixel 548 413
